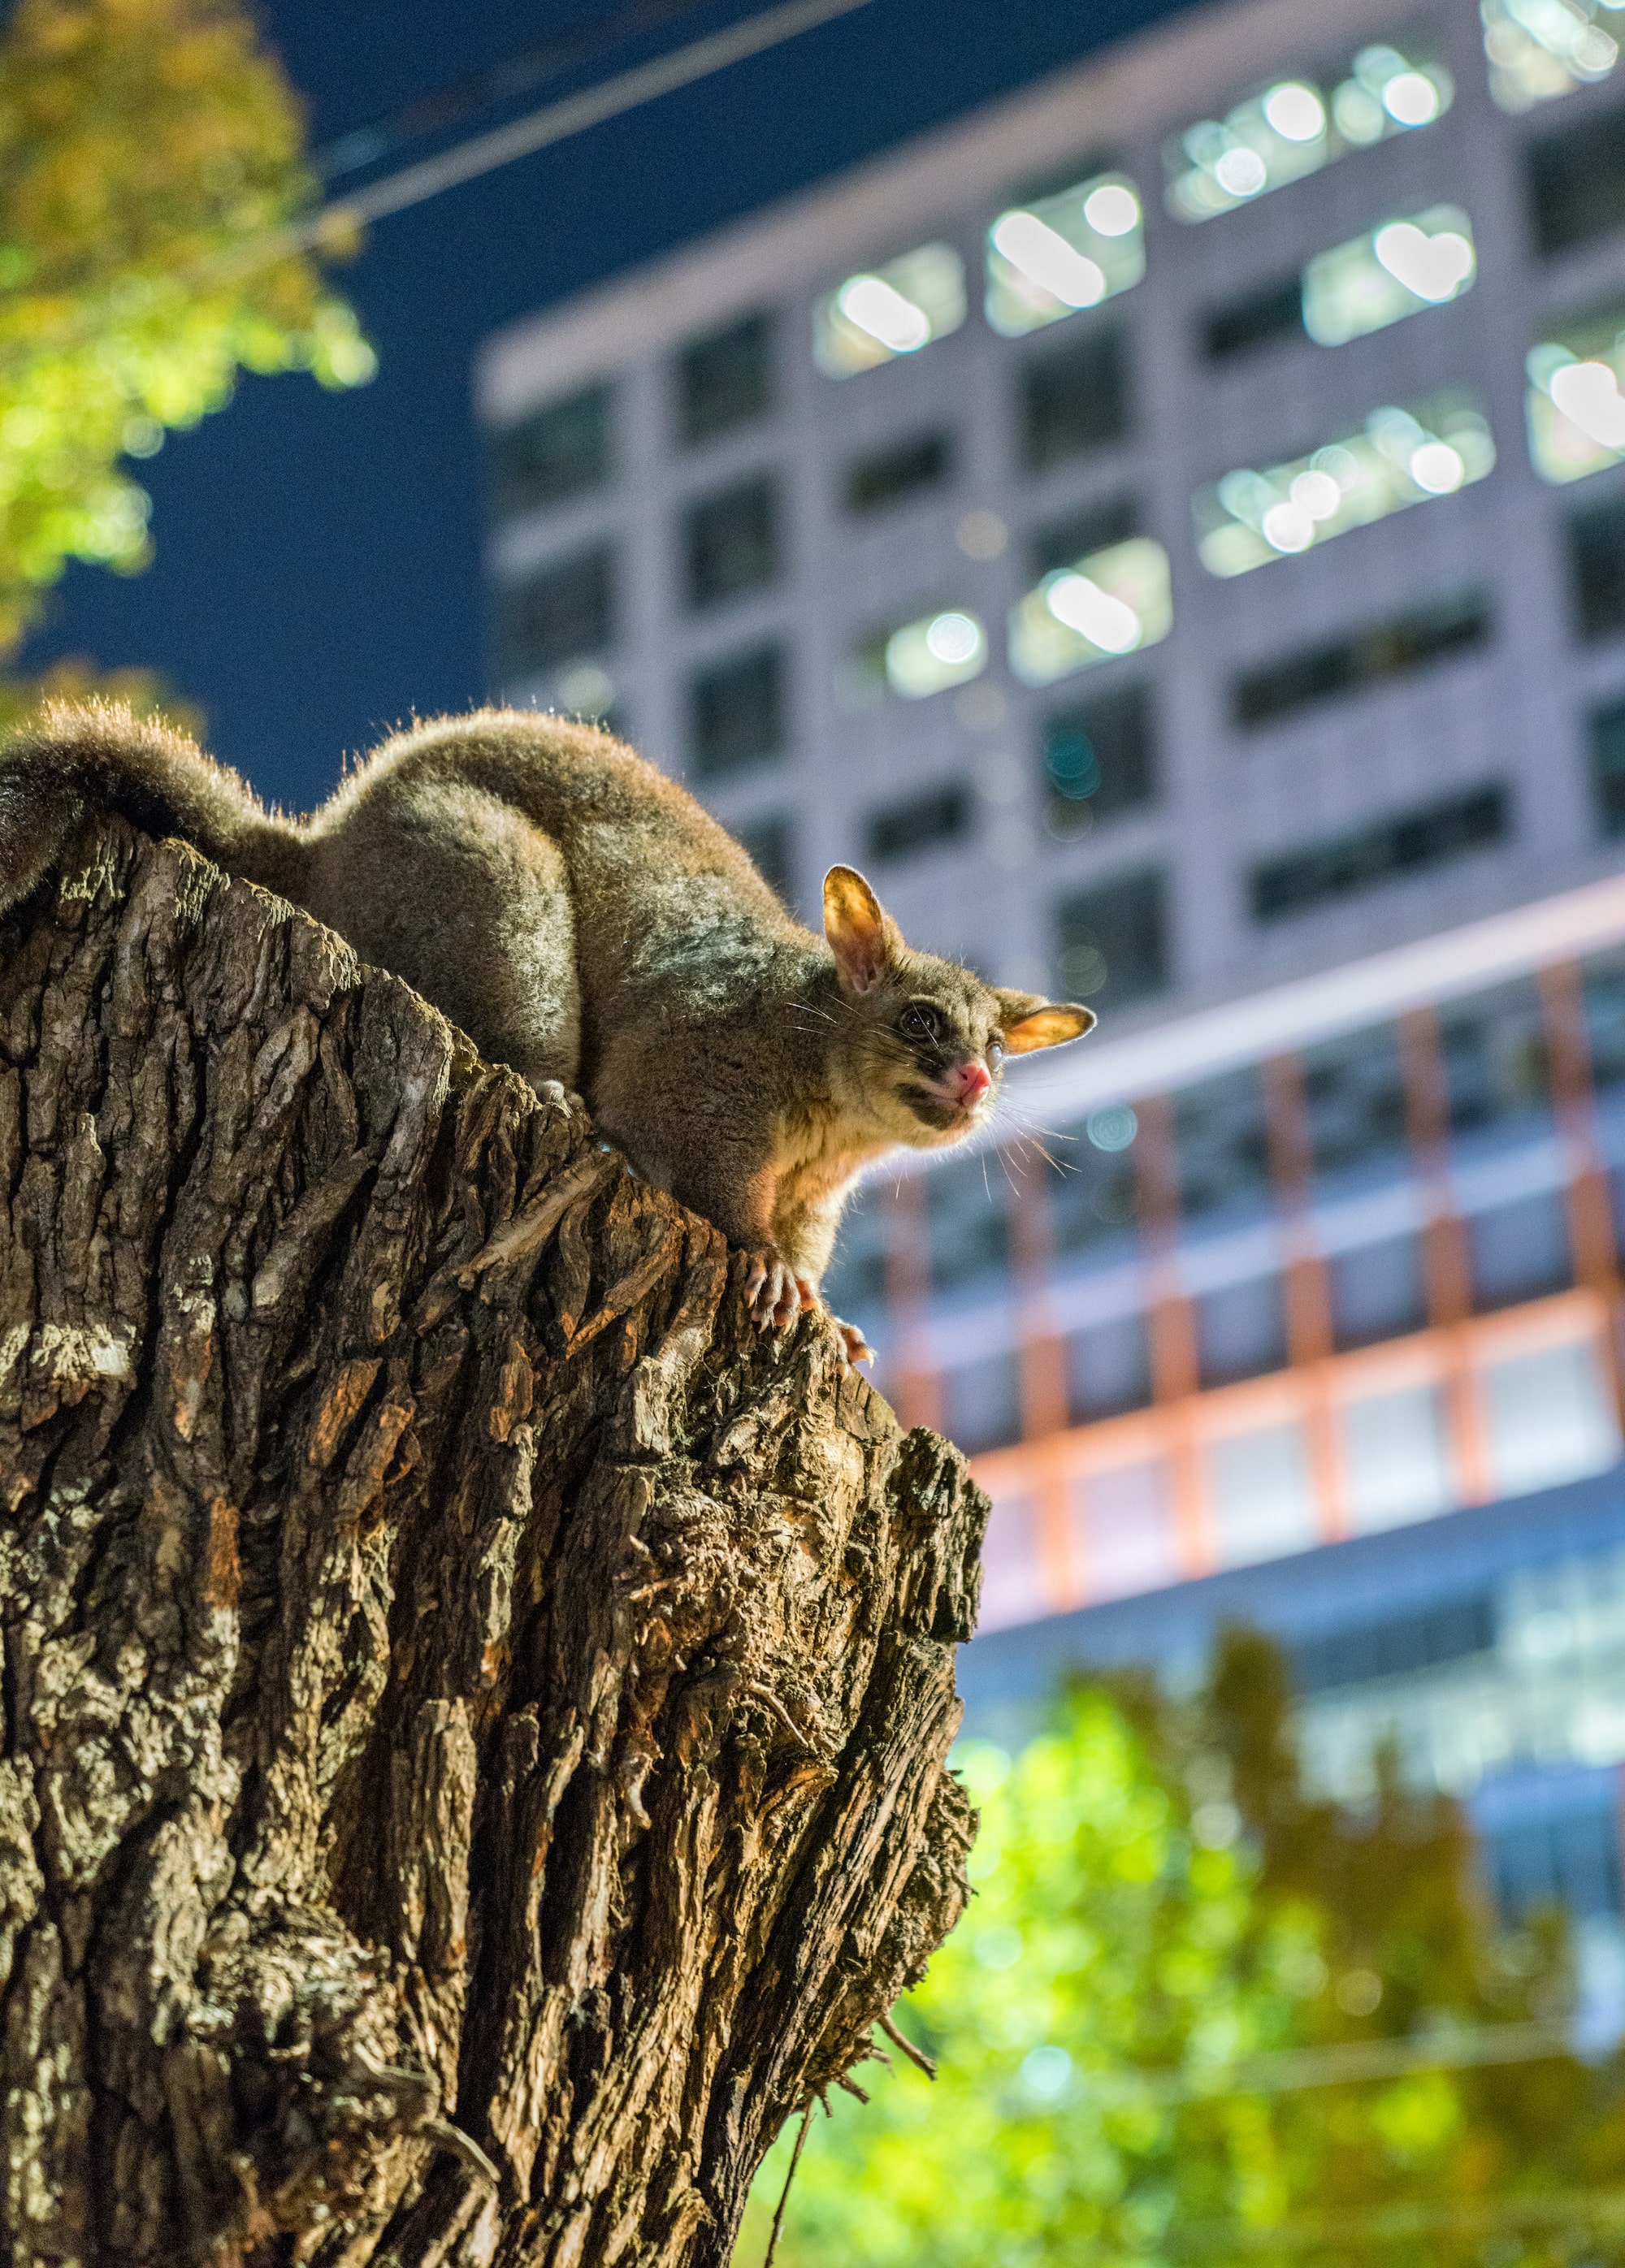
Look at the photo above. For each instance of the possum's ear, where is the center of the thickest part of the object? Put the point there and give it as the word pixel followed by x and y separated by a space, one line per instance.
pixel 1031 1022
pixel 862 935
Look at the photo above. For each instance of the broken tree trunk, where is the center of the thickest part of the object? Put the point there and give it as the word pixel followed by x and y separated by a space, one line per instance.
pixel 475 1712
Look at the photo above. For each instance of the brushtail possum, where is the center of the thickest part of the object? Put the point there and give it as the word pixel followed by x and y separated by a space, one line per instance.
pixel 584 920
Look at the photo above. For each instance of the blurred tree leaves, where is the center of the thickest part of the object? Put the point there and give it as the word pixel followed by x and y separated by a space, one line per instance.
pixel 75 678
pixel 145 146
pixel 1158 1898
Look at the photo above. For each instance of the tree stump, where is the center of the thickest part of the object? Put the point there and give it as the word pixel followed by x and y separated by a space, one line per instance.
pixel 474 1709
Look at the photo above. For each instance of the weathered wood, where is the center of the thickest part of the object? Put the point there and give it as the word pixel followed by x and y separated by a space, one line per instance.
pixel 469 1700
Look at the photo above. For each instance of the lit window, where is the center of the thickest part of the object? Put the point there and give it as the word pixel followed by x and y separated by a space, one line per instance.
pixel 918 658
pixel 1391 272
pixel 1539 49
pixel 1113 601
pixel 1048 259
pixel 1400 457
pixel 1577 411
pixel 889 311
pixel 1297 125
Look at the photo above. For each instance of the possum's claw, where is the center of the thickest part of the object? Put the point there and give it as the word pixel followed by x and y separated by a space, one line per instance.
pixel 771 1289
pixel 858 1348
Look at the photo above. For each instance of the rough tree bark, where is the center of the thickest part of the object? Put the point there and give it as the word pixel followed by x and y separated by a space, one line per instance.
pixel 475 1712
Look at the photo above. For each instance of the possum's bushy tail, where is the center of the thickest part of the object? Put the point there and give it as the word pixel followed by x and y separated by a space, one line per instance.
pixel 96 757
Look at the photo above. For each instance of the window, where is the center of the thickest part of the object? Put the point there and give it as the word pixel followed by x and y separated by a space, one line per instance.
pixel 889 311
pixel 1098 759
pixel 1111 942
pixel 1576 182
pixel 1517 1252
pixel 1369 854
pixel 1398 458
pixel 1396 648
pixel 1493 1046
pixel 1110 602
pixel 725 379
pixel 983 1403
pixel 855 1286
pixel 1074 399
pixel 1241 1331
pixel 1295 126
pixel 1094 1200
pixel 1597 556
pixel 1096 526
pixel 1574 406
pixel 1108 1368
pixel 560 614
pixel 554 455
pixel 1378 1291
pixel 916 659
pixel 1536 54
pixel 1608 733
pixel 1603 983
pixel 1354 1092
pixel 1222 1143
pixel 1390 272
pixel 730 541
pixel 1048 258
pixel 921 822
pixel 737 712
pixel 767 841
pixel 968 1222
pixel 1426 1639
pixel 904 470
pixel 1273 313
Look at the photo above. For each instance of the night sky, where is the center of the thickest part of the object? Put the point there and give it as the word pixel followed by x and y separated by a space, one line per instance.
pixel 317 571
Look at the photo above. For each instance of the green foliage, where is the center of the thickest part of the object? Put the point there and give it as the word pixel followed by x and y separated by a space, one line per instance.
pixel 78 680
pixel 146 146
pixel 1158 1900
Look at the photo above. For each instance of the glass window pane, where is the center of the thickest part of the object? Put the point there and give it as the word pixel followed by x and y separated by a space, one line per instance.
pixel 1099 760
pixel 920 823
pixel 1093 1201
pixel 1607 742
pixel 1109 1368
pixel 1295 126
pixel 737 712
pixel 770 845
pixel 1549 1418
pixel 1274 311
pixel 1378 1291
pixel 902 469
pixel 1400 457
pixel 1396 1465
pixel 1603 985
pixel 1597 560
pixel 1400 268
pixel 1371 855
pixel 1047 258
pixel 1398 647
pixel 968 1222
pixel 1262 1500
pixel 563 613
pixel 1241 1331
pixel 1112 602
pixel 982 1403
pixel 1576 182
pixel 1222 1143
pixel 1111 942
pixel 1354 1092
pixel 1519 1251
pixel 1537 51
pixel 911 660
pixel 1073 398
pixel 726 379
pixel 554 455
pixel 1575 409
pixel 1128 1539
pixel 1496 1061
pixel 730 540
pixel 890 311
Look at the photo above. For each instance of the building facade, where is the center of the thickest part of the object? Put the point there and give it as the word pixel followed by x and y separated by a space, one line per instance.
pixel 1169 530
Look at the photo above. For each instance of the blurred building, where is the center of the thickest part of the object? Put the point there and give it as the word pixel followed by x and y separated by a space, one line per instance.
pixel 1169 530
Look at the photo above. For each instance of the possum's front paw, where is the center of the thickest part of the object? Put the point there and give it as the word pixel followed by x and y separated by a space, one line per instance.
pixel 772 1288
pixel 858 1348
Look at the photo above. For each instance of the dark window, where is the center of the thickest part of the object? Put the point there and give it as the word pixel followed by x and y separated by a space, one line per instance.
pixel 1604 987
pixel 1378 1291
pixel 726 379
pixel 768 842
pixel 1109 1368
pixel 1370 855
pixel 1608 767
pixel 1097 760
pixel 1075 399
pixel 1395 648
pixel 1094 1198
pixel 1241 1331
pixel 1597 552
pixel 559 614
pixel 1275 312
pixel 1353 1093
pixel 1111 943
pixel 921 822
pixel 855 1286
pixel 1577 182
pixel 968 1222
pixel 892 475
pixel 555 455
pixel 1519 1251
pixel 730 540
pixel 1063 542
pixel 1221 1142
pixel 737 712
pixel 982 1403
pixel 1398 1647
pixel 1494 1054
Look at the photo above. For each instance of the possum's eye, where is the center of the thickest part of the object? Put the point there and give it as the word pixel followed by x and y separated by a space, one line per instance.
pixel 995 1052
pixel 919 1023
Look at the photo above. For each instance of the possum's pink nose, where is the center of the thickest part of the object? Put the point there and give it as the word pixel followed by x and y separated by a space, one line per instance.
pixel 970 1083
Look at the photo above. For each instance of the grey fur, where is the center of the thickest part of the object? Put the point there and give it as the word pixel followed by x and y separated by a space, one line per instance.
pixel 585 920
